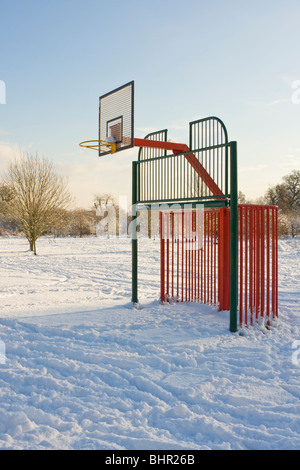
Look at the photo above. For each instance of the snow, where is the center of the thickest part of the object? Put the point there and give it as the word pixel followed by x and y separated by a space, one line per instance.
pixel 82 369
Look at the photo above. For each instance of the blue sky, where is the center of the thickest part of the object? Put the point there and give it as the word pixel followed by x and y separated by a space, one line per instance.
pixel 189 59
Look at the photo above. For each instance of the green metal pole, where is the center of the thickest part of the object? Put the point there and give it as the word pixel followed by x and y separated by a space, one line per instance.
pixel 233 237
pixel 134 235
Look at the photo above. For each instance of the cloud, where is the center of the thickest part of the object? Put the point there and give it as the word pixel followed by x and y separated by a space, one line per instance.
pixel 288 79
pixel 280 101
pixel 8 151
pixel 291 161
pixel 260 103
pixel 253 168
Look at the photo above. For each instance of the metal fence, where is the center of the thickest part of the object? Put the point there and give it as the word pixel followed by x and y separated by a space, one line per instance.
pixel 195 259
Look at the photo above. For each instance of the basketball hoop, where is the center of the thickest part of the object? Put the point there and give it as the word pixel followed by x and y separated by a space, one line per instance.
pixel 100 145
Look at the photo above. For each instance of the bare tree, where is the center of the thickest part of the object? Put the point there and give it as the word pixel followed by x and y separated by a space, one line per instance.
pixel 242 198
pixel 7 224
pixel 292 186
pixel 82 223
pixel 38 193
pixel 6 195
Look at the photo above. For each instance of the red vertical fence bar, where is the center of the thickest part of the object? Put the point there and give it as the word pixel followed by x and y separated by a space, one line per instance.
pixel 276 262
pixel 201 266
pixel 246 216
pixel 268 264
pixel 262 272
pixel 178 254
pixel 204 279
pixel 241 233
pixel 257 264
pixel 173 247
pixel 251 263
pixel 211 238
pixel 162 257
pixel 273 265
pixel 167 242
pixel 182 255
pixel 215 255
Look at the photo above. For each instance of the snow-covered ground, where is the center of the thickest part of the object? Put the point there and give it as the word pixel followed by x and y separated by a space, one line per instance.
pixel 82 369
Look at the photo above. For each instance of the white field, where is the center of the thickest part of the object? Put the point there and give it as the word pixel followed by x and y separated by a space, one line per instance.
pixel 82 369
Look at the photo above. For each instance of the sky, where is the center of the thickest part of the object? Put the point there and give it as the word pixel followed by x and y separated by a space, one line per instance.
pixel 189 59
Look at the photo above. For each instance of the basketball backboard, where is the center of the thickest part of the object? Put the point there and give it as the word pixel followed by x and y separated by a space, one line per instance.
pixel 116 117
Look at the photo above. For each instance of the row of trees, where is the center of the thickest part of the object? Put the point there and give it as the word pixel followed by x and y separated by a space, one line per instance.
pixel 35 200
pixel 285 195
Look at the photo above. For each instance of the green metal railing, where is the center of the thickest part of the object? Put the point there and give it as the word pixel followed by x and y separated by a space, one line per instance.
pixel 211 132
pixel 200 173
pixel 196 175
pixel 150 153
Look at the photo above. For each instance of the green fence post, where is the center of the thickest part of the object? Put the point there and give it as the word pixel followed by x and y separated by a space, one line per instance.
pixel 233 237
pixel 134 235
